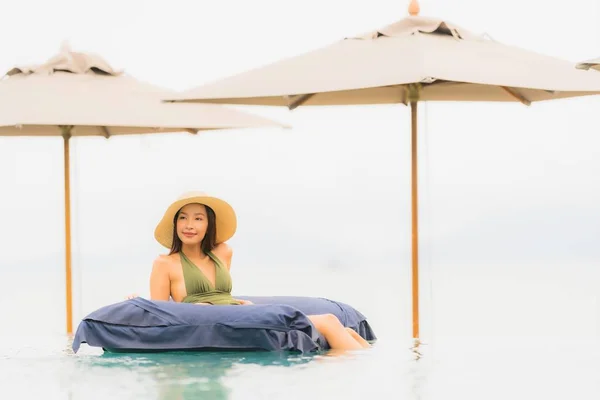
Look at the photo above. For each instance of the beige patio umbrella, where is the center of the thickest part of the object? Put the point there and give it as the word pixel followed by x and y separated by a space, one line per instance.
pixel 78 94
pixel 415 59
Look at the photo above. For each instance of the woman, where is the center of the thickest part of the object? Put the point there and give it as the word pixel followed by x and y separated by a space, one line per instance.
pixel 195 229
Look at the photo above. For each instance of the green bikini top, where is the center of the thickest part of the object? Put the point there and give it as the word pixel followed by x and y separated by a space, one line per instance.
pixel 199 289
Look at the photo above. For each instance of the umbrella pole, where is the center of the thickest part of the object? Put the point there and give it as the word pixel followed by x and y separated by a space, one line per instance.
pixel 66 136
pixel 415 220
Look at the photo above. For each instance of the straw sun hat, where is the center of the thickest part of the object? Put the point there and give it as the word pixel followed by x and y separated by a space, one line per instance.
pixel 226 221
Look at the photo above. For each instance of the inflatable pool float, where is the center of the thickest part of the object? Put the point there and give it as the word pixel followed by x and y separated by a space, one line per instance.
pixel 277 323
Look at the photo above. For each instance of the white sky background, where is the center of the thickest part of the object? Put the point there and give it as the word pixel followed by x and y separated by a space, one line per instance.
pixel 501 184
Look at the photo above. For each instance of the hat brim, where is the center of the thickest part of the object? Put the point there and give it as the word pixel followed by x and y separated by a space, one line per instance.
pixel 225 219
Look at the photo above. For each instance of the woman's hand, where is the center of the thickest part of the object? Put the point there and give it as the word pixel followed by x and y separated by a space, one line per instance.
pixel 244 302
pixel 131 296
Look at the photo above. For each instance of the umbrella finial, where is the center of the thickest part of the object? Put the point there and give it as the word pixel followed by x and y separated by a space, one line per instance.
pixel 414 8
pixel 65 47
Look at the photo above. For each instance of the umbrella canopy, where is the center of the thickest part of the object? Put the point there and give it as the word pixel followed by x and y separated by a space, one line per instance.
pixel 415 59
pixel 589 64
pixel 78 94
pixel 83 91
pixel 449 63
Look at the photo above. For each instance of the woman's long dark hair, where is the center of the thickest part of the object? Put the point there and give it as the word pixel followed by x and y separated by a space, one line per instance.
pixel 210 238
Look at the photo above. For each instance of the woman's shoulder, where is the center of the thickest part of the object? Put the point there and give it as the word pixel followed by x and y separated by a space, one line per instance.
pixel 224 252
pixel 223 249
pixel 166 261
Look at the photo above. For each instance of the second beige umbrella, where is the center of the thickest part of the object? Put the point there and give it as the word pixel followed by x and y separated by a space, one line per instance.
pixel 77 94
pixel 415 59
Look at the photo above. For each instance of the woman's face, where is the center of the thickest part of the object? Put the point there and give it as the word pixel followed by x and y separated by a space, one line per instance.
pixel 192 223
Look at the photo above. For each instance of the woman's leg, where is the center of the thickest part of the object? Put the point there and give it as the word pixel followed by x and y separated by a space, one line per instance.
pixel 358 338
pixel 334 332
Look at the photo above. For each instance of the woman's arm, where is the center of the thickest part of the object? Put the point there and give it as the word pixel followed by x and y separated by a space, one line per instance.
pixel 225 253
pixel 160 282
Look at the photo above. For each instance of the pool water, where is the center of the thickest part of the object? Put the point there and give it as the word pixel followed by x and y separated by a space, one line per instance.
pixel 518 369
